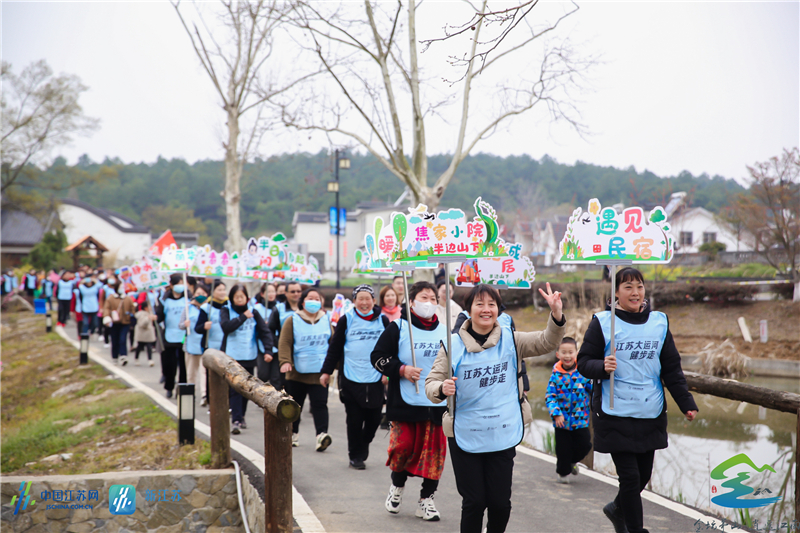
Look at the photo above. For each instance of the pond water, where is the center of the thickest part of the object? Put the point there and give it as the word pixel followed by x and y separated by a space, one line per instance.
pixel 723 428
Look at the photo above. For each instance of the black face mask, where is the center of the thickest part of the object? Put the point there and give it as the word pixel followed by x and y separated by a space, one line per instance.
pixel 240 309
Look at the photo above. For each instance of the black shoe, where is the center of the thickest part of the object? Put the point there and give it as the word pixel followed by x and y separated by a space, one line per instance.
pixel 614 514
pixel 358 464
pixel 169 394
pixel 366 455
pixel 162 379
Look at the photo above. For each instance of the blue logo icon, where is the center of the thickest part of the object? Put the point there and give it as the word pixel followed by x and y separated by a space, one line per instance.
pixel 739 464
pixel 122 499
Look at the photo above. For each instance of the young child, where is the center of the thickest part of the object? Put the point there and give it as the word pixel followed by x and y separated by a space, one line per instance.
pixel 145 333
pixel 568 399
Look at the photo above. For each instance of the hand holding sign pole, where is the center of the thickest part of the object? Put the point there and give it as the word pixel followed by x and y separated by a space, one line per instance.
pixel 605 237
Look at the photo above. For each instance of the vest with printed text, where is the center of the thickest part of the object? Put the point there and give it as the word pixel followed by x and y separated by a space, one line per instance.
pixel 638 392
pixel 488 415
pixel 172 319
pixel 360 339
pixel 426 346
pixel 241 343
pixel 310 344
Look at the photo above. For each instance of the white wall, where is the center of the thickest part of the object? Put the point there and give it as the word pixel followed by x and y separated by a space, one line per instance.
pixel 319 240
pixel 699 221
pixel 79 222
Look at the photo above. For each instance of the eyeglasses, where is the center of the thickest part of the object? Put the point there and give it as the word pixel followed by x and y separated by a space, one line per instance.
pixel 294 292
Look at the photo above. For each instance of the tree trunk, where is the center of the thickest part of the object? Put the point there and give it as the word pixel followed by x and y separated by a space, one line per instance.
pixel 233 175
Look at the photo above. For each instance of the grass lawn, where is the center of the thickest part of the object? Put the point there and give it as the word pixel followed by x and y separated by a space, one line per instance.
pixel 46 394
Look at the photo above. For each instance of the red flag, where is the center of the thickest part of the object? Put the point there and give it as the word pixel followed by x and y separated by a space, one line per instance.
pixel 161 243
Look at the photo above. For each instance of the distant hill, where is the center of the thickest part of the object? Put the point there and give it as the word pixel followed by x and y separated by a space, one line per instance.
pixel 272 190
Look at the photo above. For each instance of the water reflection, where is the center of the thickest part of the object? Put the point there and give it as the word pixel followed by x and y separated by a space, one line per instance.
pixel 723 428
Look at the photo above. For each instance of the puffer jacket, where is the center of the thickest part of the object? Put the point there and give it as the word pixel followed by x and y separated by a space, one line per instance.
pixel 569 395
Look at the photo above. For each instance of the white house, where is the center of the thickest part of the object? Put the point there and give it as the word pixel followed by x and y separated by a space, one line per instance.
pixel 693 227
pixel 124 238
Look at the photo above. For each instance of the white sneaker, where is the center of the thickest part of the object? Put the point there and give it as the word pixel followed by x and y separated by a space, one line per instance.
pixel 427 511
pixel 124 360
pixel 136 362
pixel 562 479
pixel 323 441
pixel 394 499
pixel 295 440
pixel 152 363
pixel 106 345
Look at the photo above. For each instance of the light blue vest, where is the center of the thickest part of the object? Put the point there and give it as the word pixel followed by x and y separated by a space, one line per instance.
pixel 310 344
pixel 48 289
pixel 7 283
pixel 488 415
pixel 89 297
pixel 214 335
pixel 504 319
pixel 77 301
pixel 426 346
pixel 30 281
pixel 638 392
pixel 172 318
pixel 262 310
pixel 64 290
pixel 284 311
pixel 360 339
pixel 194 340
pixel 241 344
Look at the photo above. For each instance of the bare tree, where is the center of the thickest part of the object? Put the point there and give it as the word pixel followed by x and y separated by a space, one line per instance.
pixel 40 112
pixel 372 58
pixel 235 50
pixel 770 212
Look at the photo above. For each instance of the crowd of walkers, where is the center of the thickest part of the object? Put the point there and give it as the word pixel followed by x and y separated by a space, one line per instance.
pixel 390 359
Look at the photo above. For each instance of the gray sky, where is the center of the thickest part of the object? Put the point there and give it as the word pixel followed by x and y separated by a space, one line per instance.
pixel 699 86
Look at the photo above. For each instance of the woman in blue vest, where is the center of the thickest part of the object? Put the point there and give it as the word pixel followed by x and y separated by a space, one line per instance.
pixel 645 357
pixel 9 282
pixel 244 328
pixel 486 385
pixel 208 325
pixel 361 389
pixel 287 305
pixel 417 446
pixel 31 283
pixel 193 349
pixel 268 367
pixel 89 294
pixel 301 351
pixel 169 313
pixel 48 287
pixel 64 288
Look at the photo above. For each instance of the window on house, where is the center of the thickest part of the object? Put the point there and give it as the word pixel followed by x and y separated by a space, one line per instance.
pixel 709 237
pixel 686 238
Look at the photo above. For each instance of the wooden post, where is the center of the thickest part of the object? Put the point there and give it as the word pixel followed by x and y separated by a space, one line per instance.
pixel 787 402
pixel 277 475
pixel 219 421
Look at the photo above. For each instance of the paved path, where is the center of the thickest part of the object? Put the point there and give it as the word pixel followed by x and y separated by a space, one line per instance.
pixel 346 500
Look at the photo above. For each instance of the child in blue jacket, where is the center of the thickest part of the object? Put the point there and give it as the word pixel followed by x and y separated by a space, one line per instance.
pixel 568 399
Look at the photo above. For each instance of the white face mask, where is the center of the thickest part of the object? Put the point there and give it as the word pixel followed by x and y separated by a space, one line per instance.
pixel 424 309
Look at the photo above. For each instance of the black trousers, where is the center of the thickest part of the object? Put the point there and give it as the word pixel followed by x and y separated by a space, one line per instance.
pixel 362 423
pixel 484 483
pixel 318 396
pixel 119 340
pixel 429 486
pixel 63 311
pixel 237 401
pixel 571 447
pixel 148 346
pixel 169 364
pixel 634 470
pixel 270 372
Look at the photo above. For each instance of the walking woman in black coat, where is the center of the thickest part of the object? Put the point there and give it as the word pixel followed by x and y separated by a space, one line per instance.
pixel 646 360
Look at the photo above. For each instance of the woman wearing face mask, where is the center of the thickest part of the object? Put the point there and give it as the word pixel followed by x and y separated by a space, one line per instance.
pixel 117 312
pixel 89 293
pixel 486 360
pixel 301 350
pixel 169 313
pixel 194 341
pixel 646 360
pixel 244 329
pixel 208 325
pixel 417 446
pixel 361 388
